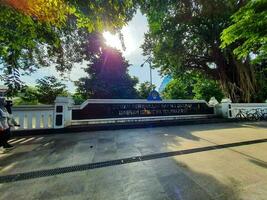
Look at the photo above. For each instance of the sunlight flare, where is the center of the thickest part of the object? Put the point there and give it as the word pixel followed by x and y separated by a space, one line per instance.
pixel 113 40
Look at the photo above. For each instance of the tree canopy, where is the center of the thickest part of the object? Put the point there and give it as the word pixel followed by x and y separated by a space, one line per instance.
pixel 193 85
pixel 37 33
pixel 177 89
pixel 44 92
pixel 107 77
pixel 248 31
pixel 185 35
pixel 223 39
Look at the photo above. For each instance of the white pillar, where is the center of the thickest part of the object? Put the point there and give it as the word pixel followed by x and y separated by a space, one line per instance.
pixel 63 112
pixel 226 108
pixel 217 107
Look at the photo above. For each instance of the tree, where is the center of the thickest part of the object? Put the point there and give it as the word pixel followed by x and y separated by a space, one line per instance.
pixel 185 35
pixel 176 89
pixel 193 85
pixel 144 89
pixel 205 88
pixel 37 33
pixel 248 30
pixel 107 77
pixel 261 75
pixel 48 88
pixel 27 96
pixel 78 98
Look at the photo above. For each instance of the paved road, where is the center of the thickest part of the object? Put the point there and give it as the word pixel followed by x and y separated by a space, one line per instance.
pixel 215 161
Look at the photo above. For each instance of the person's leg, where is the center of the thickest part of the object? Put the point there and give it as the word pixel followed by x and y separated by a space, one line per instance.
pixel 1 139
pixel 7 135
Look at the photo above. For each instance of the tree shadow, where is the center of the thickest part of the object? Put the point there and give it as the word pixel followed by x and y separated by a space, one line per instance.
pixel 259 163
pixel 180 182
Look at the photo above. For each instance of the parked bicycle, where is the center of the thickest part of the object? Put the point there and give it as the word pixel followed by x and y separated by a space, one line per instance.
pixel 242 114
pixel 253 114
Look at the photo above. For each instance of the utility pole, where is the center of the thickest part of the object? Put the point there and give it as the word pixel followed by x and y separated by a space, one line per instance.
pixel 150 73
pixel 153 95
pixel 149 60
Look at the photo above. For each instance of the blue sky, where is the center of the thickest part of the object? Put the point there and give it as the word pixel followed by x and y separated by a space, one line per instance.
pixel 134 37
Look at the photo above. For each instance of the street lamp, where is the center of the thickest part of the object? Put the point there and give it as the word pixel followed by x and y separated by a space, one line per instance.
pixel 153 95
pixel 148 60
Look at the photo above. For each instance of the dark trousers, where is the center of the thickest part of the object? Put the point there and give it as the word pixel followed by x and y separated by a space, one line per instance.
pixel 4 137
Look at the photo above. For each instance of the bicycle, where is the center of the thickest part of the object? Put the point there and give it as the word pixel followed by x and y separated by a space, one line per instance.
pixel 242 114
pixel 256 114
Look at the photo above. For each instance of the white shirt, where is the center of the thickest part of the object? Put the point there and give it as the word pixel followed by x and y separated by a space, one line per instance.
pixel 4 117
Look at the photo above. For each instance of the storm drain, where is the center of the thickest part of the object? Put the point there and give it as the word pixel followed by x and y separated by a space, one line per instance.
pixel 76 168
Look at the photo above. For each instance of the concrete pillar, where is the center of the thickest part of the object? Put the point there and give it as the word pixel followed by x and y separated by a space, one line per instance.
pixel 226 108
pixel 213 101
pixel 217 107
pixel 63 112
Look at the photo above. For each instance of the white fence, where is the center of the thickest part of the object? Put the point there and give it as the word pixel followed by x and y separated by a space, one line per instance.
pixel 34 117
pixel 246 108
pixel 59 115
pixel 227 109
pixel 31 117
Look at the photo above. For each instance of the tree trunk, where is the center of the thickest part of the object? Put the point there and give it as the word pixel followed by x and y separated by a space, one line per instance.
pixel 237 78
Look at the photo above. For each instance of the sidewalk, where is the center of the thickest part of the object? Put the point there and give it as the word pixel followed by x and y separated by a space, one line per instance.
pixel 235 172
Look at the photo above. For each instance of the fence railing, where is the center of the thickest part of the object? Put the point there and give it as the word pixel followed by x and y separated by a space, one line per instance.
pixel 34 117
pixel 59 115
pixel 250 111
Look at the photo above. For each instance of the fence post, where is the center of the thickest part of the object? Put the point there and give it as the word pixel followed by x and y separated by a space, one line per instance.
pixel 62 112
pixel 226 108
pixel 215 104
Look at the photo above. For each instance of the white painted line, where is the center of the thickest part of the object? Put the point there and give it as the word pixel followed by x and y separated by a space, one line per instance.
pixel 40 138
pixel 27 140
pixel 17 141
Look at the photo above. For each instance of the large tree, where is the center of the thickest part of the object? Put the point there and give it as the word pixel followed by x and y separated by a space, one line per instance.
pixel 107 77
pixel 37 33
pixel 185 35
pixel 249 31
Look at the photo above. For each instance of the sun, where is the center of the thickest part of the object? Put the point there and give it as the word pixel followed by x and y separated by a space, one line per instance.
pixel 113 40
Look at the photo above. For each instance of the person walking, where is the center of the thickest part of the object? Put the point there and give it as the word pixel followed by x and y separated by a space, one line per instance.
pixel 6 122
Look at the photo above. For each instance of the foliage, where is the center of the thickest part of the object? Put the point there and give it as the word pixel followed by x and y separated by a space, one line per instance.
pixel 48 88
pixel 107 77
pixel 21 45
pixel 144 89
pixel 176 89
pixel 53 11
pixel 206 88
pixel 37 33
pixel 78 99
pixel 248 31
pixel 193 85
pixel 261 76
pixel 27 96
pixel 185 35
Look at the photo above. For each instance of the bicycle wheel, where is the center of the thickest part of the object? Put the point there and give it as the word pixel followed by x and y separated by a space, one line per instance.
pixel 251 117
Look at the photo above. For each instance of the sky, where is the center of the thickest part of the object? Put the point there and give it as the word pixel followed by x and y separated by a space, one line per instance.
pixel 134 37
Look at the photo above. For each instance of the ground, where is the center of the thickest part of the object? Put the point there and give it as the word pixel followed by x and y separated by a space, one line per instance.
pixel 206 170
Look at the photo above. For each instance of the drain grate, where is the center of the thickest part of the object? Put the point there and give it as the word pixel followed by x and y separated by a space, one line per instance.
pixel 64 170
